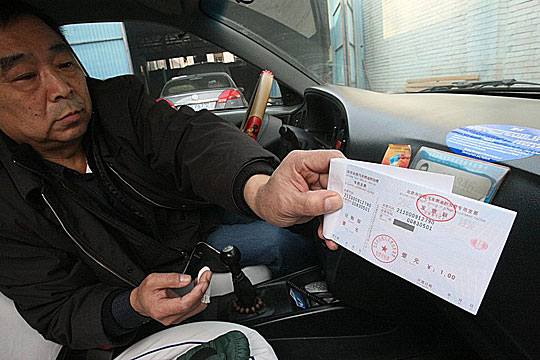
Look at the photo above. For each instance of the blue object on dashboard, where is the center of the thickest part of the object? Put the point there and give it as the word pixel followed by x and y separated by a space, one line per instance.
pixel 299 299
pixel 492 143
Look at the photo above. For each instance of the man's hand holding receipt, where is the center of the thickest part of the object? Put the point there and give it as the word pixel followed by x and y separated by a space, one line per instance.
pixel 409 223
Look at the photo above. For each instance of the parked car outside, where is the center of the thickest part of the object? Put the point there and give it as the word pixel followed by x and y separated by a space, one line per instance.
pixel 209 91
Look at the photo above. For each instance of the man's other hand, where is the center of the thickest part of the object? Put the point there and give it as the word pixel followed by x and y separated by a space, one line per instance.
pixel 155 298
pixel 296 191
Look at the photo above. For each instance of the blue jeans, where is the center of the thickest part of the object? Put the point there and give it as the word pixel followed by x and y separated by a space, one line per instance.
pixel 282 250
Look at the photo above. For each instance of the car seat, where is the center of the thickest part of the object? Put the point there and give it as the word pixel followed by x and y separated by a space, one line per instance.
pixel 20 341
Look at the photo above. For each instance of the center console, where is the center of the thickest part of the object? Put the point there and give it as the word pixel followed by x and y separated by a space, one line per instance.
pixel 301 319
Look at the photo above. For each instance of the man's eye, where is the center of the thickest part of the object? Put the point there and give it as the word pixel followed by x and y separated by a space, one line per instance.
pixel 25 77
pixel 66 65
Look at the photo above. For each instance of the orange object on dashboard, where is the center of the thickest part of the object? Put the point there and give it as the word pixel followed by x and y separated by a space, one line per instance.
pixel 253 120
pixel 397 155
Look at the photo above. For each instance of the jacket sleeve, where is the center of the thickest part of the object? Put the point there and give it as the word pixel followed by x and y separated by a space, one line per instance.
pixel 56 293
pixel 201 152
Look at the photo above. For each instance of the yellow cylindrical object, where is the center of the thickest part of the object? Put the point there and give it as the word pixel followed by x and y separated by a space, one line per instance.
pixel 253 119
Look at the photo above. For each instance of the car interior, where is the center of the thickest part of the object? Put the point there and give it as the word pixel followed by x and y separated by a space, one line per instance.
pixel 347 308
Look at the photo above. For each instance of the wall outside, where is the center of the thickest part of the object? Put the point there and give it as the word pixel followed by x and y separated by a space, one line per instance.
pixel 101 47
pixel 496 39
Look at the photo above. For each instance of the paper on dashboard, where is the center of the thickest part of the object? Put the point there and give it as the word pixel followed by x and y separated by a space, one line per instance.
pixel 409 223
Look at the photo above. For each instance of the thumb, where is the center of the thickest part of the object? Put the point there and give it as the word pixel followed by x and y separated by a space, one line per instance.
pixel 333 203
pixel 320 202
pixel 168 280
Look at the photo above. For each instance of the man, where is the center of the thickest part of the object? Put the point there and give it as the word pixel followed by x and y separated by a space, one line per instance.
pixel 104 193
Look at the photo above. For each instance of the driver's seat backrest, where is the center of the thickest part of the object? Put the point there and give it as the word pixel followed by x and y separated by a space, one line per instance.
pixel 20 341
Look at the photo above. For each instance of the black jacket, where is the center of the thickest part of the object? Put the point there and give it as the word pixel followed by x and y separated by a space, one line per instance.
pixel 60 257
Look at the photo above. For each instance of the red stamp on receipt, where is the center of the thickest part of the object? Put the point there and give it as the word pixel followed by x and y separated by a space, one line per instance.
pixel 436 207
pixel 384 248
pixel 479 244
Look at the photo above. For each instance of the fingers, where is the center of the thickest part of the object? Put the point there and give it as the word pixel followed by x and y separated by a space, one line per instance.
pixel 317 201
pixel 188 312
pixel 323 180
pixel 176 319
pixel 320 231
pixel 315 160
pixel 205 277
pixel 329 243
pixel 174 310
pixel 295 192
pixel 190 300
pixel 154 297
pixel 179 309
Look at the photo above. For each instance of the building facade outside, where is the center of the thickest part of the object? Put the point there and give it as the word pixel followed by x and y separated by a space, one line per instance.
pixel 102 48
pixel 372 44
pixel 380 44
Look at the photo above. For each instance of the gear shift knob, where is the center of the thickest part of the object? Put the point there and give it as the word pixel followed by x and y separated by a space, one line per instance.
pixel 230 256
pixel 247 301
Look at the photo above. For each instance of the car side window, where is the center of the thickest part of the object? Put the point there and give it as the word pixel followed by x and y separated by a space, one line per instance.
pixel 177 66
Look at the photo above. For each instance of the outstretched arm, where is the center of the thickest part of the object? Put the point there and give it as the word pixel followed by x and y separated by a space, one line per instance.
pixel 296 191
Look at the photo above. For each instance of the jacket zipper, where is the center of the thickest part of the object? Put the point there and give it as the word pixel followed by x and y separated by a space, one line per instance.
pixel 139 193
pixel 184 207
pixel 81 247
pixel 77 242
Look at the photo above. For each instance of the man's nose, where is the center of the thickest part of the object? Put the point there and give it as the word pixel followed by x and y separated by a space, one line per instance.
pixel 57 85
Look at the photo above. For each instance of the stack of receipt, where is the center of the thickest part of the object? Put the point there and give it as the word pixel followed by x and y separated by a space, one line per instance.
pixel 410 223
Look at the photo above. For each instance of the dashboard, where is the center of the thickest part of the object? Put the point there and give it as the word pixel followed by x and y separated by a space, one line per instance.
pixel 362 124
pixel 369 121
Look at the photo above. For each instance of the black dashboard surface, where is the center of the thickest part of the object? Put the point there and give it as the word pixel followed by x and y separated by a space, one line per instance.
pixel 366 122
pixel 374 120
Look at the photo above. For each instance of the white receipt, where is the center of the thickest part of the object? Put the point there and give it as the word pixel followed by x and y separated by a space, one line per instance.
pixel 409 223
pixel 206 297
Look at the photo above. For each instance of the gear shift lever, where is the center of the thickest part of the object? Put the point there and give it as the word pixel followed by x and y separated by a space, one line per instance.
pixel 247 300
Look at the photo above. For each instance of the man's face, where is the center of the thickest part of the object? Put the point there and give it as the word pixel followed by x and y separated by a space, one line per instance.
pixel 44 99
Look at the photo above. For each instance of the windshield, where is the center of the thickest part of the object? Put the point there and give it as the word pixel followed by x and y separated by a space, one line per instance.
pixel 395 45
pixel 194 83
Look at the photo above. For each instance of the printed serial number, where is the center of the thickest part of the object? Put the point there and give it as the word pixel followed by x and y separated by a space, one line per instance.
pixel 415 216
pixel 357 202
pixel 419 224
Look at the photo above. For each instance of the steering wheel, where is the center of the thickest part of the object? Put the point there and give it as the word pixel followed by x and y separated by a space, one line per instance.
pixel 253 120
